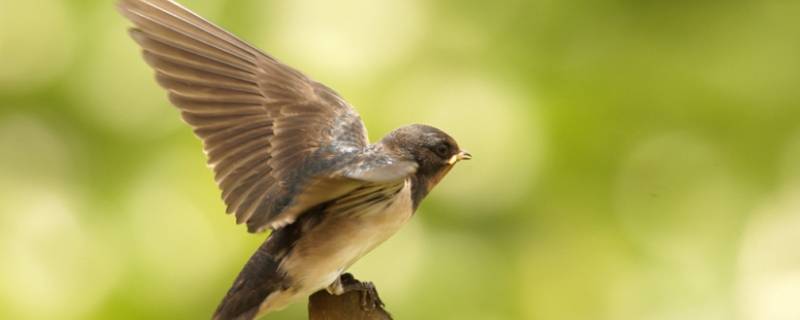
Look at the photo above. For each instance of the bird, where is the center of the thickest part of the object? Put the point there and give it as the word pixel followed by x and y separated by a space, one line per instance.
pixel 289 155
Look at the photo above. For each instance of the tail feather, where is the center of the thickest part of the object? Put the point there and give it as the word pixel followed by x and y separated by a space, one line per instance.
pixel 259 278
pixel 262 286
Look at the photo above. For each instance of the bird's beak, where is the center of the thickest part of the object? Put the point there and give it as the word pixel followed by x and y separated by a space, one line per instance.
pixel 461 155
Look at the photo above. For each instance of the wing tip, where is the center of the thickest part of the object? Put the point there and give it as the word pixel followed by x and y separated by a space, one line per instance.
pixel 252 228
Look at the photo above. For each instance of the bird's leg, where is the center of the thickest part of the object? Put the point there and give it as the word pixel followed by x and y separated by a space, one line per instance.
pixel 336 288
pixel 369 294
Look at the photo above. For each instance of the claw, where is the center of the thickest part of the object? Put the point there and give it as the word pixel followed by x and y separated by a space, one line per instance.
pixel 369 297
pixel 369 294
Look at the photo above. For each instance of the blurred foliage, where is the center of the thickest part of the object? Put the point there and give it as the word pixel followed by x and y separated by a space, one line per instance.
pixel 633 159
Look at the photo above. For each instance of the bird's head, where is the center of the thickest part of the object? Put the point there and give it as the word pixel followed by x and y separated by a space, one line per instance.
pixel 434 151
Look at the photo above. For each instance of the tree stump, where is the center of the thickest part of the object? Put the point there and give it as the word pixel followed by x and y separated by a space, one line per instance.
pixel 352 305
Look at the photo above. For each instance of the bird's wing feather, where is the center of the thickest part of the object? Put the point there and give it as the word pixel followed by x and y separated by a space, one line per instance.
pixel 378 167
pixel 277 140
pixel 365 168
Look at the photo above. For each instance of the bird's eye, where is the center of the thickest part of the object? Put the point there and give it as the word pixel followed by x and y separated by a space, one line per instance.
pixel 442 150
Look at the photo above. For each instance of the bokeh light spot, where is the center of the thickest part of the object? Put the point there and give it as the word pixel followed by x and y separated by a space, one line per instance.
pixel 769 262
pixel 118 90
pixel 36 42
pixel 351 38
pixel 48 256
pixel 174 242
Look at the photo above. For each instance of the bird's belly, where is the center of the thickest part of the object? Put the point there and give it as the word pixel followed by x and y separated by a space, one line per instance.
pixel 325 252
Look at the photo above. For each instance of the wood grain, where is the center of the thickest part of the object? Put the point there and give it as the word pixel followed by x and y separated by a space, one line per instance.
pixel 347 306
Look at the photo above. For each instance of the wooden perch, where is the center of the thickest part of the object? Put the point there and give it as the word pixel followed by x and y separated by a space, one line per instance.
pixel 359 303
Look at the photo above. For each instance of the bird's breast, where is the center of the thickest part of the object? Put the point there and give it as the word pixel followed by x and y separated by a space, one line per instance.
pixel 352 226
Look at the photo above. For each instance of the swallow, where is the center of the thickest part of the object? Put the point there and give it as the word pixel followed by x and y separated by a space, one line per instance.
pixel 289 155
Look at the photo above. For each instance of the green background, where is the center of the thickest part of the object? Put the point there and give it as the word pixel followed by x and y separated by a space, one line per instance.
pixel 632 159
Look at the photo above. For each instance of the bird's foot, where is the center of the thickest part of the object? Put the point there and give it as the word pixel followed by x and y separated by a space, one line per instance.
pixel 369 294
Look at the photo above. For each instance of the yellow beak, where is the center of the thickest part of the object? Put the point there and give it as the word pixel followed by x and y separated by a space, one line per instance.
pixel 461 155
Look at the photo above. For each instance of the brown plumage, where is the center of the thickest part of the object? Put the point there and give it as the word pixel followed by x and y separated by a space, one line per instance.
pixel 288 153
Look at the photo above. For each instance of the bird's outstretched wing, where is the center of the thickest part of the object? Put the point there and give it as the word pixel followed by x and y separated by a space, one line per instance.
pixel 278 142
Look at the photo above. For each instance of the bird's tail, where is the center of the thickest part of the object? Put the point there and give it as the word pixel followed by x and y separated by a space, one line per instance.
pixel 258 281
